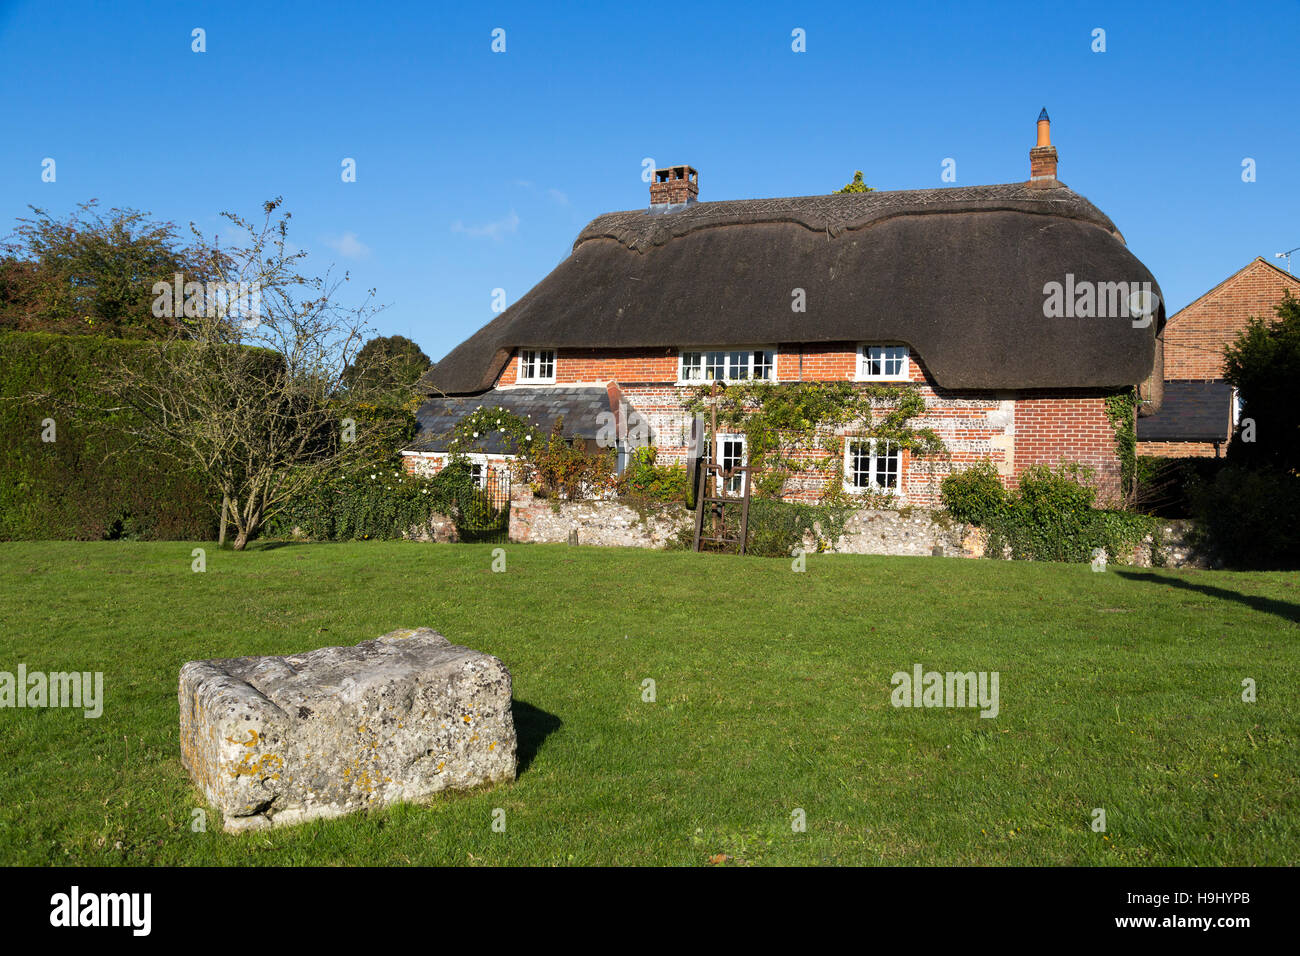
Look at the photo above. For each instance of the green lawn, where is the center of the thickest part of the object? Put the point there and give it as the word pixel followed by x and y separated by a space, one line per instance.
pixel 1119 690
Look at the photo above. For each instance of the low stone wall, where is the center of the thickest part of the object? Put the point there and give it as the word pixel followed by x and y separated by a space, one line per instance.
pixel 900 533
pixel 1174 547
pixel 609 523
pixel 904 533
pixel 439 529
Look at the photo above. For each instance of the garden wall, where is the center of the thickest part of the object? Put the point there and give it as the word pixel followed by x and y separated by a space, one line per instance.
pixel 615 523
pixel 611 523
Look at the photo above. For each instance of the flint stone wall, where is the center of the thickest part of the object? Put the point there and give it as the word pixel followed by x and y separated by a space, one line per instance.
pixel 279 740
pixel 913 532
pixel 439 529
pixel 602 522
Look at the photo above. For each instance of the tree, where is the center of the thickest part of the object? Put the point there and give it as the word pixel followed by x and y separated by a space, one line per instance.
pixel 249 392
pixel 92 272
pixel 1248 515
pixel 857 186
pixel 387 365
pixel 1264 364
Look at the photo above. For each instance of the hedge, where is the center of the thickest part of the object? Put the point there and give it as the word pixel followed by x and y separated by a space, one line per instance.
pixel 89 483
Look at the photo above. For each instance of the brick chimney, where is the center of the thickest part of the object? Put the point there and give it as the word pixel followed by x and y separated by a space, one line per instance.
pixel 1042 158
pixel 673 185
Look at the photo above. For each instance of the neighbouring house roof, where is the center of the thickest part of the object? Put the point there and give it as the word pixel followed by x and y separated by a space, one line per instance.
pixel 958 274
pixel 540 406
pixel 1192 411
pixel 1252 264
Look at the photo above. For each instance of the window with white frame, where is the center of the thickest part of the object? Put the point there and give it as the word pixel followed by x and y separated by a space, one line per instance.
pixel 537 365
pixel 478 472
pixel 732 453
pixel 732 365
pixel 872 465
pixel 883 362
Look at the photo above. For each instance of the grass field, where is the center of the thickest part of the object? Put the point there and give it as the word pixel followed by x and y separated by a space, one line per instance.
pixel 1120 690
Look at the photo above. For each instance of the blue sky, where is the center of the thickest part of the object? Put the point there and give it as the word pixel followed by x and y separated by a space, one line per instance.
pixel 476 170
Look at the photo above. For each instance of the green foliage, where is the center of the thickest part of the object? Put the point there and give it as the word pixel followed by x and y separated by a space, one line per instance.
pixel 1249 518
pixel 975 495
pixel 91 482
pixel 1051 518
pixel 481 426
pixel 1248 514
pixel 562 467
pixel 777 528
pixel 558 466
pixel 1264 364
pixel 387 365
pixel 1166 486
pixel 1121 410
pixel 380 501
pixel 857 185
pixel 381 430
pixel 643 479
pixel 783 422
pixel 92 273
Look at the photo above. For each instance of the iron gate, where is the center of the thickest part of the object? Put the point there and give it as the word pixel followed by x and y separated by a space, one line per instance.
pixel 485 512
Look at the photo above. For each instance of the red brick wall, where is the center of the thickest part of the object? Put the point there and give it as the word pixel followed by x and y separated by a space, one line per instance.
pixel 1195 336
pixel 1013 429
pixel 821 362
pixel 1180 449
pixel 1071 425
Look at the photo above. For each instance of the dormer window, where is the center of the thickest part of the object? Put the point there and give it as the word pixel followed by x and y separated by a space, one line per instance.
pixel 883 363
pixel 732 365
pixel 537 366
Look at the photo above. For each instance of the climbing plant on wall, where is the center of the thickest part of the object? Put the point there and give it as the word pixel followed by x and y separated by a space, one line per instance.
pixel 1121 410
pixel 473 432
pixel 786 425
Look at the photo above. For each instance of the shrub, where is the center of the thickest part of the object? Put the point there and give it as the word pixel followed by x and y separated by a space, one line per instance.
pixel 90 483
pixel 1248 518
pixel 975 495
pixel 1051 518
pixel 642 478
pixel 1264 363
pixel 1166 486
pixel 777 528
pixel 561 467
pixel 381 501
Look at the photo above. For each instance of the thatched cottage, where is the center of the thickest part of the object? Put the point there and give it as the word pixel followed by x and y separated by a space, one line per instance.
pixel 1015 309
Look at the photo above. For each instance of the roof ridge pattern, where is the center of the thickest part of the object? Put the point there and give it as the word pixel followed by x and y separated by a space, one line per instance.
pixel 837 213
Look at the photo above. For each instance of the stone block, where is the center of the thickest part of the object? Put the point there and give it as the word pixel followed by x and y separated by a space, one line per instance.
pixel 278 740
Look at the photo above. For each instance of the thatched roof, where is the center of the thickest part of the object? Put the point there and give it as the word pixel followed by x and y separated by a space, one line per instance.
pixel 955 273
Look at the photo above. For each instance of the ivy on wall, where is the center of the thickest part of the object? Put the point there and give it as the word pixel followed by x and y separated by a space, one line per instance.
pixel 783 423
pixel 1121 411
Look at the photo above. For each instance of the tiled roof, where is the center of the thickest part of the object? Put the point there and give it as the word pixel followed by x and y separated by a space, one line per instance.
pixel 539 405
pixel 1191 411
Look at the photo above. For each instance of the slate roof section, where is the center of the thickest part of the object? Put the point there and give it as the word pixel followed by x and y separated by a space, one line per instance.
pixel 956 273
pixel 1192 411
pixel 538 405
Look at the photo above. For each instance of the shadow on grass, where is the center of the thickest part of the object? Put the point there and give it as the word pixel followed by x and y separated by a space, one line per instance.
pixel 268 545
pixel 532 726
pixel 1283 609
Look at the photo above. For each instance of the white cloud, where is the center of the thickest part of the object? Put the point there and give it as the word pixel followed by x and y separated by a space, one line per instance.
pixel 490 230
pixel 348 246
pixel 558 196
